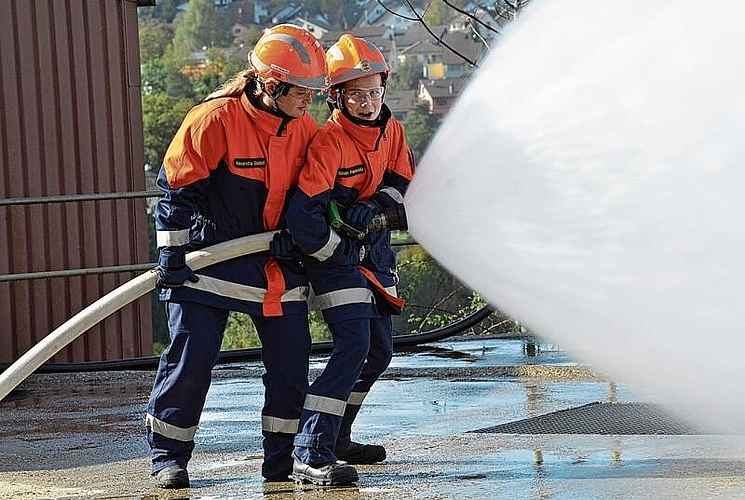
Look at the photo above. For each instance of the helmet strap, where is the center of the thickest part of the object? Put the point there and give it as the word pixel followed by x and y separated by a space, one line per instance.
pixel 359 121
pixel 280 89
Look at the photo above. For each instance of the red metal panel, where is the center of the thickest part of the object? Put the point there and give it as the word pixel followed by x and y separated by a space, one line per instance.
pixel 56 229
pixel 7 66
pixel 13 180
pixel 71 124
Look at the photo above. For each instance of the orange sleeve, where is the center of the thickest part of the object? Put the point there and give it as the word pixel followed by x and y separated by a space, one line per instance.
pixel 319 172
pixel 197 148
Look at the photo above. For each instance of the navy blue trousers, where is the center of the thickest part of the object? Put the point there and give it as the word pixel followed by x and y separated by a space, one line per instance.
pixel 363 349
pixel 185 372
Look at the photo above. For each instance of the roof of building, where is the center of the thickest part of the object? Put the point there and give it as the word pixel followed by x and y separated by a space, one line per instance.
pixel 445 87
pixel 400 100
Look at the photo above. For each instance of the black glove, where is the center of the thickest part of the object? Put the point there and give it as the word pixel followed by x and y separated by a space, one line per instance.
pixel 360 214
pixel 283 246
pixel 172 269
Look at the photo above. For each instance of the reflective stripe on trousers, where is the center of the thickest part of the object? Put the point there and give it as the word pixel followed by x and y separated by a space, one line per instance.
pixel 170 431
pixel 276 424
pixel 324 404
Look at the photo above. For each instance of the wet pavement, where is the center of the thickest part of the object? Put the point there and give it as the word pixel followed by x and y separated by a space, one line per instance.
pixel 81 435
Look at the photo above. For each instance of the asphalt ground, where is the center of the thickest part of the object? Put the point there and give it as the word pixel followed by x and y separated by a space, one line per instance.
pixel 437 410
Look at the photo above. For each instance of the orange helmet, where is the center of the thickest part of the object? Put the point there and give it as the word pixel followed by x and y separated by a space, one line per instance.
pixel 353 57
pixel 290 54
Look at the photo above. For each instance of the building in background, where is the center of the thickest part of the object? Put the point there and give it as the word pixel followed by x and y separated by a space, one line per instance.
pixel 71 125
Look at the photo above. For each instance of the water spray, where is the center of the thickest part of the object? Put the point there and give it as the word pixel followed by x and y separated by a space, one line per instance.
pixel 588 183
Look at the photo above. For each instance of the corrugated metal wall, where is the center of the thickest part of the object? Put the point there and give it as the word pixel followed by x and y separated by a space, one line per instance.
pixel 70 124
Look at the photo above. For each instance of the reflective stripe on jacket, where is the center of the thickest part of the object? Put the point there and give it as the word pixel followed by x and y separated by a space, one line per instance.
pixel 229 172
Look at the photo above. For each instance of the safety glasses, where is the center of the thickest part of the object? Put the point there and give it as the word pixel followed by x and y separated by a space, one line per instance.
pixel 359 95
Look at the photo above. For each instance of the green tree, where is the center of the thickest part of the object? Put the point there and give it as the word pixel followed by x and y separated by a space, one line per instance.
pixel 154 38
pixel 435 299
pixel 219 66
pixel 201 25
pixel 162 115
pixel 319 110
pixel 158 76
pixel 213 73
pixel 436 14
pixel 419 126
pixel 407 75
pixel 248 39
pixel 240 332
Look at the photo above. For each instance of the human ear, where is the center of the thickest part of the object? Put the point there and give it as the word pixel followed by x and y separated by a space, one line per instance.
pixel 270 87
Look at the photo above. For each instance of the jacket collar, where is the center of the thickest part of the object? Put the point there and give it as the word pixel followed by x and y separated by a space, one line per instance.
pixel 366 136
pixel 267 122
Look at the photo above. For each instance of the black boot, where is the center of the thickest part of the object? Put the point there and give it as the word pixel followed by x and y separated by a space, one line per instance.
pixel 334 474
pixel 357 453
pixel 172 477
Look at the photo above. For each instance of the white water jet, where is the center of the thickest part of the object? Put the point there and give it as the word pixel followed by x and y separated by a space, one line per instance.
pixel 590 183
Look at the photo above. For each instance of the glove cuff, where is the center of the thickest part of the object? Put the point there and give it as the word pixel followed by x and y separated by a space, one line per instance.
pixel 172 257
pixel 373 204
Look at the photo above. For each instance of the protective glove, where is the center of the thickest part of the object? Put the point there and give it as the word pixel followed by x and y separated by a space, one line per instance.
pixel 172 269
pixel 347 253
pixel 283 246
pixel 360 214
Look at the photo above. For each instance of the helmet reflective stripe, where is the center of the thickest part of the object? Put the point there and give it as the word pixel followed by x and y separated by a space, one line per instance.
pixel 316 83
pixel 294 42
pixel 362 68
pixel 291 54
pixel 351 58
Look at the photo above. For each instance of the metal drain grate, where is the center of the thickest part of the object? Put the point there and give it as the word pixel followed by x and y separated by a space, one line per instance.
pixel 598 418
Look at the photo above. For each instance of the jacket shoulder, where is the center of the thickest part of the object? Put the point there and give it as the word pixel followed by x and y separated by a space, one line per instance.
pixel 210 110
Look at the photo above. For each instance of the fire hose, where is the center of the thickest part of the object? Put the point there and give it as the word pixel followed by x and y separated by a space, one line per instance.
pixel 74 327
pixel 115 300
pixel 32 360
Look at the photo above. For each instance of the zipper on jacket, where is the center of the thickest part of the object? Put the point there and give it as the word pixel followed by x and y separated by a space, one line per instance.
pixel 380 136
pixel 282 127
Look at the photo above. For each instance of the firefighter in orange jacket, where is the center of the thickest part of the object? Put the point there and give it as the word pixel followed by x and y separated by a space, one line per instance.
pixel 360 159
pixel 229 172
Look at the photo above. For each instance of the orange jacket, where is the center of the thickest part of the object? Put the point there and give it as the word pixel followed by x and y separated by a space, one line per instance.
pixel 355 160
pixel 229 172
pixel 349 163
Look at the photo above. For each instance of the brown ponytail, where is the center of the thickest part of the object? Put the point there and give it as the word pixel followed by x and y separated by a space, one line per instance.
pixel 237 84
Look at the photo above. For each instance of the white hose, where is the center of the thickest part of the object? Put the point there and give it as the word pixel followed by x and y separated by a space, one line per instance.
pixel 115 300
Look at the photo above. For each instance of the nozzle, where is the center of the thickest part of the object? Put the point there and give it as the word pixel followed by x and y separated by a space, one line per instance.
pixel 394 218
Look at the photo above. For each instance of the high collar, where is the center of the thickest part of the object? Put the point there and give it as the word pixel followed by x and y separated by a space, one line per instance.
pixel 367 136
pixel 266 121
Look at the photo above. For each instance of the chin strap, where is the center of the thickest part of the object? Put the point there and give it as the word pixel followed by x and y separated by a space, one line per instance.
pixel 281 89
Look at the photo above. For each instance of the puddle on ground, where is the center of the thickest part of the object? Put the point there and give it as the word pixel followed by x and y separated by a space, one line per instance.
pixel 474 353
